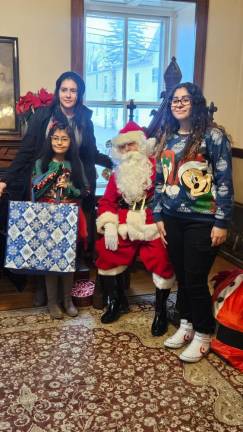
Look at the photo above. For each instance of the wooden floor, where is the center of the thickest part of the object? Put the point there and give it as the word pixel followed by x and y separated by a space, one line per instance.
pixel 141 284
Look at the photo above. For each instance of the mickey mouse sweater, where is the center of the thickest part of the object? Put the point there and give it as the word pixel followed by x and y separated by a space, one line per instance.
pixel 198 189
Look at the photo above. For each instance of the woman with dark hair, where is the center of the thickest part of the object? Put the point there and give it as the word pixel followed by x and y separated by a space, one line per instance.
pixel 67 107
pixel 57 177
pixel 192 207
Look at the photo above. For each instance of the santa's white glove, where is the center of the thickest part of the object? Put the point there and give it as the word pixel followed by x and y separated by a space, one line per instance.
pixel 111 236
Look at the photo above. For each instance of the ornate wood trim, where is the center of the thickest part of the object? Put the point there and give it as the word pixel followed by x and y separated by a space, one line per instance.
pixel 237 152
pixel 77 35
pixel 13 133
pixel 201 39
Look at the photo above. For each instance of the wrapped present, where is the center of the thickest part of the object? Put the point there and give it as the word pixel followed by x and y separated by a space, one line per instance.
pixel 82 292
pixel 41 237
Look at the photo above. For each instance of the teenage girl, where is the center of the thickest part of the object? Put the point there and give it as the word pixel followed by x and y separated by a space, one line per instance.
pixel 192 207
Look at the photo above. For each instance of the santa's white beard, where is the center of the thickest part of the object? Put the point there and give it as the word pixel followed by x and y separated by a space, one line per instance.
pixel 133 176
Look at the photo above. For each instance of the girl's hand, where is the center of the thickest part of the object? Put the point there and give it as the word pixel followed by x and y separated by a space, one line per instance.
pixel 162 232
pixel 62 182
pixel 218 236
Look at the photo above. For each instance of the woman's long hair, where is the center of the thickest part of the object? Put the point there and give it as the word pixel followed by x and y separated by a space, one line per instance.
pixel 199 119
pixel 77 177
pixel 59 116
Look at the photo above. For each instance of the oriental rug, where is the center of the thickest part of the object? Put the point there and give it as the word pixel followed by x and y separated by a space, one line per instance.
pixel 79 375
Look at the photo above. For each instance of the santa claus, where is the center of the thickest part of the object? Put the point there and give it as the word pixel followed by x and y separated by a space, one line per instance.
pixel 126 227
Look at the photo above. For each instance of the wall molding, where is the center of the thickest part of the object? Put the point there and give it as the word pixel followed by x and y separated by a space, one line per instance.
pixel 237 152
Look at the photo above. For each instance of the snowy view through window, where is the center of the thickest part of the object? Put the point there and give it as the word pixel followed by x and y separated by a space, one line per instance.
pixel 125 59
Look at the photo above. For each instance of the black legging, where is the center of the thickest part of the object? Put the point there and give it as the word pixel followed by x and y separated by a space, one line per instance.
pixel 191 253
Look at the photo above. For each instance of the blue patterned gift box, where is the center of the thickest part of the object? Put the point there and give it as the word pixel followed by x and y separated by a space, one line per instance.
pixel 41 237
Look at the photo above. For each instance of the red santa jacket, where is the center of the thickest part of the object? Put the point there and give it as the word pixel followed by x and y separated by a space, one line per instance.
pixel 228 310
pixel 135 222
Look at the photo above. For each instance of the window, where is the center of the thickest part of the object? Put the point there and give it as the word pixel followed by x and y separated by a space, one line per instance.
pixel 105 84
pixel 130 53
pixel 155 74
pixel 137 82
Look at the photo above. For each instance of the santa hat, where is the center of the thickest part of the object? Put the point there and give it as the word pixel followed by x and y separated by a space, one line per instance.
pixel 202 166
pixel 132 132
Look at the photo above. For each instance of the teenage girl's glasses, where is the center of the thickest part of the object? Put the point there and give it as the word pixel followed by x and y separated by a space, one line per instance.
pixel 56 139
pixel 184 100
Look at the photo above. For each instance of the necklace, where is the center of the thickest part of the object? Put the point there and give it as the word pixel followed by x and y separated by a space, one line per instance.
pixel 183 132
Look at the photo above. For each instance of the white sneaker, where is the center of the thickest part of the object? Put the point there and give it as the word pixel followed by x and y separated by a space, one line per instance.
pixel 197 349
pixel 182 336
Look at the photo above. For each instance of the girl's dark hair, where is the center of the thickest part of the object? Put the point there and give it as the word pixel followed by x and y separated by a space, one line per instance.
pixel 77 177
pixel 77 110
pixel 200 120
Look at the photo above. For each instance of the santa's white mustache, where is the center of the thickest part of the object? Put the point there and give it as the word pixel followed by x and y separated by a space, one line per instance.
pixel 132 155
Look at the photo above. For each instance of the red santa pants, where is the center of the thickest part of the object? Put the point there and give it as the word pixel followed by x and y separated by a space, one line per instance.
pixel 152 253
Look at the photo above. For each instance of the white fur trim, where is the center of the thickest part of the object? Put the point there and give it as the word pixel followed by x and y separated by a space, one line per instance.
pixel 135 224
pixel 162 283
pixel 122 231
pixel 138 229
pixel 136 218
pixel 151 232
pixel 226 292
pixel 112 272
pixel 105 218
pixel 128 137
pixel 150 146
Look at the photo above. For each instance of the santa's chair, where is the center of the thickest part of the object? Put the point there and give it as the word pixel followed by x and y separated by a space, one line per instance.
pixel 228 311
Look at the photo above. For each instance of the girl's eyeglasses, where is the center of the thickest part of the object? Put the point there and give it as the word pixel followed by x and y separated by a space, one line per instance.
pixel 57 139
pixel 184 100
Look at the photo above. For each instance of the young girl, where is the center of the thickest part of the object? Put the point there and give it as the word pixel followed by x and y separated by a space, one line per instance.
pixel 192 208
pixel 58 176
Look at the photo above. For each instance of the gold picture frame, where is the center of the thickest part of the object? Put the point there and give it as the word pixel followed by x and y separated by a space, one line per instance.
pixel 9 87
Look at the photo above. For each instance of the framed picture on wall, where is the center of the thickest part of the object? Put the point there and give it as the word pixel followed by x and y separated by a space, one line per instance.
pixel 9 87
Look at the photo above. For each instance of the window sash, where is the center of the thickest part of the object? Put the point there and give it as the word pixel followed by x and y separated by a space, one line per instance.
pixel 164 47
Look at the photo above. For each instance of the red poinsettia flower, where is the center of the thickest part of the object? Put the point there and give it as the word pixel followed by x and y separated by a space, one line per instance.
pixel 33 101
pixel 45 97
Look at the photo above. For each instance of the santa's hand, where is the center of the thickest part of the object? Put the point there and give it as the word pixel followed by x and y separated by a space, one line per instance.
pixel 111 236
pixel 162 232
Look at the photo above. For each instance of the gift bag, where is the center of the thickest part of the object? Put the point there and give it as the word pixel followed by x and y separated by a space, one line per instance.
pixel 41 237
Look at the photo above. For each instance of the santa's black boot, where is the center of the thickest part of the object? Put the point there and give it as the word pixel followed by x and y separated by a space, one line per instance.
pixel 160 322
pixel 123 282
pixel 112 312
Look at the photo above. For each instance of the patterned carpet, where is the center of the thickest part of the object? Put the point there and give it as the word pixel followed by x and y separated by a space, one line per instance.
pixel 77 375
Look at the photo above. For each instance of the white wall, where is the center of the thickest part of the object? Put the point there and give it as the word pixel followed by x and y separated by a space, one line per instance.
pixel 44 35
pixel 224 65
pixel 224 74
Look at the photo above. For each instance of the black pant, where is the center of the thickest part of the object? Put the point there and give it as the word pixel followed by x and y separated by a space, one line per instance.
pixel 191 253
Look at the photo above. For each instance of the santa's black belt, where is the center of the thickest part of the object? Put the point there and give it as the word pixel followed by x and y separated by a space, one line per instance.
pixel 230 336
pixel 135 206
